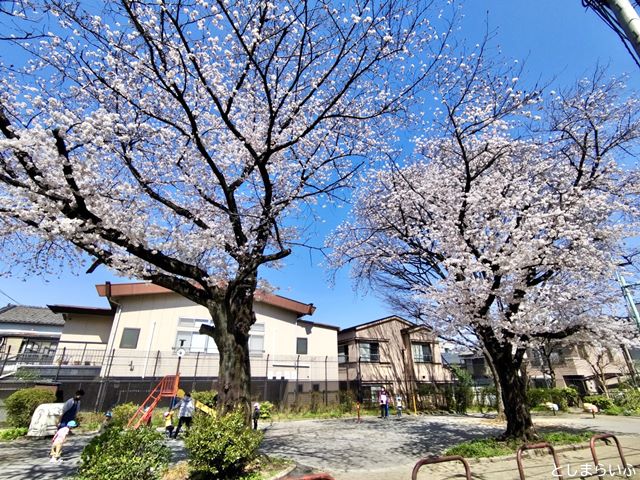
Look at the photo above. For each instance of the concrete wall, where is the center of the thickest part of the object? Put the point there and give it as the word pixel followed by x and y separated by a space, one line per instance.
pixel 158 318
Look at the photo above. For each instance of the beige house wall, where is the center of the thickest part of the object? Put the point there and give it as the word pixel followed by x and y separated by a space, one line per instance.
pixel 157 316
pixel 81 328
pixel 573 365
pixel 396 368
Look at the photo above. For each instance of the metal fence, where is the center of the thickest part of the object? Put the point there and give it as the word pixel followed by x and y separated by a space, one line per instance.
pixel 121 375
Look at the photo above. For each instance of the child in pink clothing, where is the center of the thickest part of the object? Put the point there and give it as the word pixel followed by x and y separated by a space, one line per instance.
pixel 58 440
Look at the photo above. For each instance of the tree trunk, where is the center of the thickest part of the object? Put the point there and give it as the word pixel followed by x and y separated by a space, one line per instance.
pixel 508 365
pixel 232 320
pixel 496 382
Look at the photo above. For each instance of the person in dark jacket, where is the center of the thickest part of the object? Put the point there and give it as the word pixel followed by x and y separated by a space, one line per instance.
pixel 70 409
pixel 256 415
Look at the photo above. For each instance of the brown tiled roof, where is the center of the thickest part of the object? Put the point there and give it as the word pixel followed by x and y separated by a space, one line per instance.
pixel 30 315
pixel 142 288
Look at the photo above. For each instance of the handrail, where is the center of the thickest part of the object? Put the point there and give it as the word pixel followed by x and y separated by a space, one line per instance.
pixel 537 446
pixel 432 460
pixel 592 446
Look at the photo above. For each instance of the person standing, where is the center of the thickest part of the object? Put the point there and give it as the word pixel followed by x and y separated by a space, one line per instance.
pixel 185 413
pixel 256 415
pixel 70 409
pixel 399 405
pixel 383 400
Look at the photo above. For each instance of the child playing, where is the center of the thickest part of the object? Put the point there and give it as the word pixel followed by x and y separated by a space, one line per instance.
pixel 399 405
pixel 59 439
pixel 168 423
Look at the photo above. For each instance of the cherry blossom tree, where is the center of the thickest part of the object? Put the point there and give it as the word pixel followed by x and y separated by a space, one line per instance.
pixel 185 142
pixel 513 209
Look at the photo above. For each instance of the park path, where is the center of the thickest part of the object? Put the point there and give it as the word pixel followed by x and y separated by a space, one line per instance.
pixel 388 449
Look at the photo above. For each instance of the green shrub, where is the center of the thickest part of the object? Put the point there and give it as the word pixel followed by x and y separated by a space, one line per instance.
pixel 614 410
pixel 266 409
pixel 13 433
pixel 628 398
pixel 346 402
pixel 221 447
pixel 90 421
pixel 563 397
pixel 463 389
pixel 208 397
pixel 122 414
pixel 21 404
pixel 600 401
pixel 119 454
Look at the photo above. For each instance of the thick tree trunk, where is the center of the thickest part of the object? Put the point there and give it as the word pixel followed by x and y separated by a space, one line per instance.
pixel 232 320
pixel 508 362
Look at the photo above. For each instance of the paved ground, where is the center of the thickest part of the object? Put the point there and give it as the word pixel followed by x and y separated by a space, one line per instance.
pixel 28 459
pixel 373 449
pixel 388 449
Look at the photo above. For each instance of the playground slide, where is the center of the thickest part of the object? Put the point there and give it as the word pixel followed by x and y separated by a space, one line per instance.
pixel 199 405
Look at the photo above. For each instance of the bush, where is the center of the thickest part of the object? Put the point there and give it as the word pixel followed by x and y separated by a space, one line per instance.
pixel 13 433
pixel 346 402
pixel 563 397
pixel 208 397
pixel 21 404
pixel 122 414
pixel 614 410
pixel 628 398
pixel 600 401
pixel 119 454
pixel 463 389
pixel 221 447
pixel 266 409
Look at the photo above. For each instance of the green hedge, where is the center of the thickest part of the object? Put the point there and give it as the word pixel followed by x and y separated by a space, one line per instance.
pixel 21 404
pixel 600 401
pixel 221 447
pixel 563 397
pixel 118 454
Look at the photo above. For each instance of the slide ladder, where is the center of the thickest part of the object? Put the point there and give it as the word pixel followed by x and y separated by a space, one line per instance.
pixel 167 388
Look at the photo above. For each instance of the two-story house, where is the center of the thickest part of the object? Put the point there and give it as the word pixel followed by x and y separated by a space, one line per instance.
pixel 390 352
pixel 155 332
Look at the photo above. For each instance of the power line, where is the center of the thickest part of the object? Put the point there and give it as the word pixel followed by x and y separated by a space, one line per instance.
pixel 10 298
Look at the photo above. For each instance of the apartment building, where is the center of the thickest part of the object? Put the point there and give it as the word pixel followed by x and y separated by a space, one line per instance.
pixel 390 352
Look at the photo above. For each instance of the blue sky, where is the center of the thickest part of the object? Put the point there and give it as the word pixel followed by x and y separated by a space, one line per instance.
pixel 557 38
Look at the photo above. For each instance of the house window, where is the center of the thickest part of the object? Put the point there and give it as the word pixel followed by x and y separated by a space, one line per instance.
pixel 188 336
pixel 256 338
pixel 129 338
pixel 315 387
pixel 301 346
pixel 300 388
pixel 343 353
pixel 370 352
pixel 422 353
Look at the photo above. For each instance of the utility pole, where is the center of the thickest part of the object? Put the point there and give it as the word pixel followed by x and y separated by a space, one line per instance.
pixel 628 296
pixel 633 313
pixel 628 20
pixel 622 18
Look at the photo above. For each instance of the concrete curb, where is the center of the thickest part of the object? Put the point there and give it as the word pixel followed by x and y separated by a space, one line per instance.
pixel 283 473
